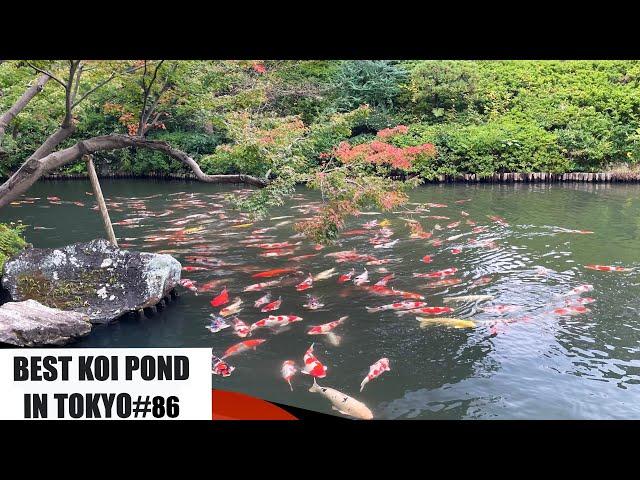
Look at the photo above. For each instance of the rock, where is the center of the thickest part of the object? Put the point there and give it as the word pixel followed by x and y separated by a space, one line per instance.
pixel 31 324
pixel 94 278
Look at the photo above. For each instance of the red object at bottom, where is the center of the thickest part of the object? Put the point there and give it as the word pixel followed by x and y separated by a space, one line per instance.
pixel 238 406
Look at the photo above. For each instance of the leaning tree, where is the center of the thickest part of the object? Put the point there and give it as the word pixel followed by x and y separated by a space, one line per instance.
pixel 76 90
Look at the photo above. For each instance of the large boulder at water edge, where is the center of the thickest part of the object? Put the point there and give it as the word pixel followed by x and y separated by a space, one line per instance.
pixel 94 278
pixel 31 324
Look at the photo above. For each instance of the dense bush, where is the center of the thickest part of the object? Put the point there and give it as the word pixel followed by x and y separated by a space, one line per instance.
pixel 11 241
pixel 482 116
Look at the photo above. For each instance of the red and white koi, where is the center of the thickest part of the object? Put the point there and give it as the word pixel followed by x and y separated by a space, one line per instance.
pixel 607 268
pixel 407 305
pixel 571 310
pixel 579 290
pixel 242 347
pixel 313 366
pixel 427 259
pixel 277 253
pixel 375 371
pixel 306 284
pixel 326 327
pixel 438 274
pixel 276 272
pixel 498 220
pixel 288 371
pixel 387 244
pixel 263 300
pixel 220 367
pixel 275 321
pixel 189 285
pixel 384 280
pixel 501 309
pixel 240 328
pixel 257 287
pixel 345 277
pixel 270 307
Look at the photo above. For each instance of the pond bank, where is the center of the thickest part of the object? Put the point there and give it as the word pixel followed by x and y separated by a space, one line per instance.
pixel 584 177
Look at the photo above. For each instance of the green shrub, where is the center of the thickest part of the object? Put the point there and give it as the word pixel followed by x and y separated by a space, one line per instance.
pixel 11 241
pixel 376 83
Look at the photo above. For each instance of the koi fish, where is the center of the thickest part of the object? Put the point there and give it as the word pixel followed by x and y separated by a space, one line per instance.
pixel 388 244
pixel 217 324
pixel 453 225
pixel 275 321
pixel 271 246
pixel 345 277
pixel 481 281
pixel 375 371
pixel 277 253
pixel 221 299
pixel 397 306
pixel 498 220
pixel 242 347
pixel 269 307
pixel 427 311
pixel 384 280
pixel 263 300
pixel 190 268
pixel 579 290
pixel 256 287
pixel 313 303
pixel 305 284
pixel 220 367
pixel 579 301
pixel 299 258
pixel 571 310
pixel 447 322
pixel 436 205
pixel 438 274
pixel 362 278
pixel 233 308
pixel 468 298
pixel 607 268
pixel 288 370
pixel 382 261
pixel 325 274
pixel 240 328
pixel 427 259
pixel 455 251
pixel 447 282
pixel 276 272
pixel 313 366
pixel 189 284
pixel 343 403
pixel 326 327
pixel 501 309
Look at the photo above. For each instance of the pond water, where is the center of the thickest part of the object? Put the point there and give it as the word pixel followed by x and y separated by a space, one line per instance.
pixel 523 361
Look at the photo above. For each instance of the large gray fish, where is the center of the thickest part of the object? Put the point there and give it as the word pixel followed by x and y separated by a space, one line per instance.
pixel 343 403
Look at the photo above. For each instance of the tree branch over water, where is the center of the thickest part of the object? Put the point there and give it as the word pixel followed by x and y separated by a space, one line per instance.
pixel 35 168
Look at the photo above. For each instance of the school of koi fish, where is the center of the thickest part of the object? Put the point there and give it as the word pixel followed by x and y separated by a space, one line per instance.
pixel 316 291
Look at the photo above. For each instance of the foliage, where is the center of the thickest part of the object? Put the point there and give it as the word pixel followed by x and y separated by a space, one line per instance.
pixel 11 241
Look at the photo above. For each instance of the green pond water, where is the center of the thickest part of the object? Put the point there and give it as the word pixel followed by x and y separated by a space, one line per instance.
pixel 529 363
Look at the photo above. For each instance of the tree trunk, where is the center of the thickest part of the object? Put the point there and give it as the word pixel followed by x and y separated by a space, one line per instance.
pixel 22 102
pixel 34 167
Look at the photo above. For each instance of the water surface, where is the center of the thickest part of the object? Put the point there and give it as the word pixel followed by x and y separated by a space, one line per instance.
pixel 527 364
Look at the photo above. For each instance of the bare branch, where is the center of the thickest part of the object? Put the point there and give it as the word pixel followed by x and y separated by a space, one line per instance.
pixel 49 74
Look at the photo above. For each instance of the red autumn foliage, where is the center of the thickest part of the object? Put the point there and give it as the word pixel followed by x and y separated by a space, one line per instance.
pixel 390 132
pixel 382 153
pixel 259 67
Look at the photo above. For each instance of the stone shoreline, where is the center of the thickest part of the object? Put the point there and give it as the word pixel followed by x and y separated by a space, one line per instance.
pixel 609 177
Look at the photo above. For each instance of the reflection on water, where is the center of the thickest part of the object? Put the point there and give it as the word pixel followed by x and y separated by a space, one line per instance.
pixel 525 363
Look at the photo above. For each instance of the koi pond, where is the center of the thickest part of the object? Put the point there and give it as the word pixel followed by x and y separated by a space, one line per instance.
pixel 518 315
